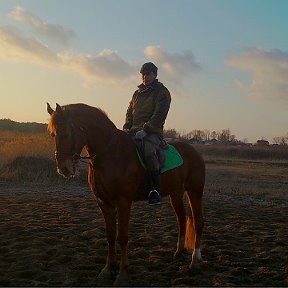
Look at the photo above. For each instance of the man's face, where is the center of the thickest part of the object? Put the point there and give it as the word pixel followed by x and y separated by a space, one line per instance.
pixel 148 78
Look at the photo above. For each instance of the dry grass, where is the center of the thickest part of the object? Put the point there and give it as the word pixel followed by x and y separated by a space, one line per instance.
pixel 258 171
pixel 248 153
pixel 28 157
pixel 264 180
pixel 15 144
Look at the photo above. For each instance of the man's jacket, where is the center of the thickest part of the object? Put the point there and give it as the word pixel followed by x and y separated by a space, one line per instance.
pixel 148 108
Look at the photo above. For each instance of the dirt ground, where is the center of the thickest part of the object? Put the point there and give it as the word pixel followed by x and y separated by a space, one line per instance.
pixel 54 236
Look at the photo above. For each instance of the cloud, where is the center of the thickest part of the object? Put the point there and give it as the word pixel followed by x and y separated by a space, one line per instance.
pixel 14 46
pixel 56 33
pixel 269 71
pixel 173 66
pixel 107 65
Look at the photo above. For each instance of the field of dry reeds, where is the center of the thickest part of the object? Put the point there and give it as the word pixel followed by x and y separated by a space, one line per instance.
pixel 26 156
pixel 52 232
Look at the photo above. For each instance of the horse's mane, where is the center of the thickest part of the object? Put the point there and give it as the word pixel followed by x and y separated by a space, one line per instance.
pixel 75 109
pixel 79 111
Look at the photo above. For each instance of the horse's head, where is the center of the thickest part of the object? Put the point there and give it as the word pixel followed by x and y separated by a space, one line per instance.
pixel 69 140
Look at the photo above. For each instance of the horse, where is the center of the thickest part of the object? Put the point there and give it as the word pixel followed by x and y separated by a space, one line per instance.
pixel 114 177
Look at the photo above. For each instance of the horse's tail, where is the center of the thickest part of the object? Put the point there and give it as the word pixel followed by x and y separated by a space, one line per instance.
pixel 190 231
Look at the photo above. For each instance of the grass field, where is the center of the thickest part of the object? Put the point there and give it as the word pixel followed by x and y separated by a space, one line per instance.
pixel 15 144
pixel 245 170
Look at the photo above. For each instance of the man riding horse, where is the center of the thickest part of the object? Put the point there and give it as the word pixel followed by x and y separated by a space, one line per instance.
pixel 145 118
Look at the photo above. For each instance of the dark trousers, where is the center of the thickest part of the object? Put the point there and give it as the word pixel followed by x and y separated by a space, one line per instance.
pixel 151 146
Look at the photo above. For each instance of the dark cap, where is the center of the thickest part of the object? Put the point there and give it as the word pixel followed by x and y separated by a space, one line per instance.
pixel 148 67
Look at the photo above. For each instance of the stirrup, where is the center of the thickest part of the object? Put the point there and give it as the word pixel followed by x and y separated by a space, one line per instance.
pixel 154 197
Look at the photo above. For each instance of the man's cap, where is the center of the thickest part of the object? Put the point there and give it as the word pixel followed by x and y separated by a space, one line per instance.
pixel 148 67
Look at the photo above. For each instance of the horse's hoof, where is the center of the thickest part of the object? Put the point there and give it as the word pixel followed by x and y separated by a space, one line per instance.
pixel 121 280
pixel 105 274
pixel 177 254
pixel 197 266
pixel 180 253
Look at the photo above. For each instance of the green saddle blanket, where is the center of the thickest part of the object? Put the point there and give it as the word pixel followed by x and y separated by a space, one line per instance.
pixel 173 159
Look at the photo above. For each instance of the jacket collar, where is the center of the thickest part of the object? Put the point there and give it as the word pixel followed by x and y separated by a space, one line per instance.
pixel 153 85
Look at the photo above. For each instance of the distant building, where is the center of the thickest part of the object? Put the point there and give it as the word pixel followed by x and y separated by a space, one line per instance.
pixel 262 142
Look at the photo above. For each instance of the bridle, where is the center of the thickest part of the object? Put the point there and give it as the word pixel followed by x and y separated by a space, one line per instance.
pixel 73 154
pixel 74 157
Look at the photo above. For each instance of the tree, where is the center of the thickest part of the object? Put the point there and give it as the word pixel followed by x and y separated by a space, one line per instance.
pixel 171 133
pixel 225 135
pixel 213 135
pixel 282 140
pixel 206 134
pixel 198 134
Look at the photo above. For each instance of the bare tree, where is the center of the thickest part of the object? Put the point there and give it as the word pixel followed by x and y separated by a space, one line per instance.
pixel 213 135
pixel 171 133
pixel 282 140
pixel 206 134
pixel 225 135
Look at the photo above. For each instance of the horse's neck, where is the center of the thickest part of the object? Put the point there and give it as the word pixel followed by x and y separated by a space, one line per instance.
pixel 116 143
pixel 100 139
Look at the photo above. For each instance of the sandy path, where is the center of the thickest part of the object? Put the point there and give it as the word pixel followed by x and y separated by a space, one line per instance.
pixel 54 236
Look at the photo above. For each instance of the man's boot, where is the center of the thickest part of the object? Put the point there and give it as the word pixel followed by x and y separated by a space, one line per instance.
pixel 155 194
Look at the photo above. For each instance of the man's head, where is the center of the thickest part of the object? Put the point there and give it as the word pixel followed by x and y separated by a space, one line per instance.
pixel 149 73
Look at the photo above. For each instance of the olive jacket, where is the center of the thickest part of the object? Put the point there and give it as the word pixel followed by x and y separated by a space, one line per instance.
pixel 148 108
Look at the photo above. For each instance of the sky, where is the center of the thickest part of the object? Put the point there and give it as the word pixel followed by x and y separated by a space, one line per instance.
pixel 225 62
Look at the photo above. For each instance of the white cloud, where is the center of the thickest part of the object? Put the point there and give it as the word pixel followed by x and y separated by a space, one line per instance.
pixel 107 65
pixel 173 66
pixel 269 71
pixel 14 46
pixel 56 33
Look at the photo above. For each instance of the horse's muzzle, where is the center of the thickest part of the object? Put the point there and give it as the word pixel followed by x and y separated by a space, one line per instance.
pixel 67 168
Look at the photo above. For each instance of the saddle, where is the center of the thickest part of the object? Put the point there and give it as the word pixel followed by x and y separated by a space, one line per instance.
pixel 169 158
pixel 168 155
pixel 160 153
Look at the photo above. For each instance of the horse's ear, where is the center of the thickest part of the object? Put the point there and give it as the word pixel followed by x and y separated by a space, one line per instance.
pixel 58 108
pixel 49 109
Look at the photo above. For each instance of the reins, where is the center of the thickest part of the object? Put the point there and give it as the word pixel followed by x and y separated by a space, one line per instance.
pixel 76 156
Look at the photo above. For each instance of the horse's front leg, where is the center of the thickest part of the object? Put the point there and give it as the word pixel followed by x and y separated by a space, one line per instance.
pixel 123 208
pixel 109 213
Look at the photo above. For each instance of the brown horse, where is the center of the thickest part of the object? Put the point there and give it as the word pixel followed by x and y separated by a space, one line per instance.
pixel 115 175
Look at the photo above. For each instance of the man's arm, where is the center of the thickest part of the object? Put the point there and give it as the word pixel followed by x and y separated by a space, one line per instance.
pixel 129 116
pixel 156 122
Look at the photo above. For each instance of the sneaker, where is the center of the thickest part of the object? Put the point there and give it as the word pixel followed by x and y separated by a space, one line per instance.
pixel 154 197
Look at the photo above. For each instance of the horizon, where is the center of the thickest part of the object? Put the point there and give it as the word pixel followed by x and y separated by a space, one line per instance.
pixel 245 140
pixel 223 61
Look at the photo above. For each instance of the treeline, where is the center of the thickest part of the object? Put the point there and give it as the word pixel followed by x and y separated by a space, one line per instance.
pixel 202 135
pixel 25 127
pixel 223 136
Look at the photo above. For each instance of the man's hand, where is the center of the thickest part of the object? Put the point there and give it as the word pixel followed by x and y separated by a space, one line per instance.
pixel 140 134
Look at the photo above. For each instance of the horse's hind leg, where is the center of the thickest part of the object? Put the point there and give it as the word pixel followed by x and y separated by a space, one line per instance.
pixel 176 200
pixel 195 201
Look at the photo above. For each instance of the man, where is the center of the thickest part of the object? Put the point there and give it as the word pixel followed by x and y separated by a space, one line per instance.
pixel 146 115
